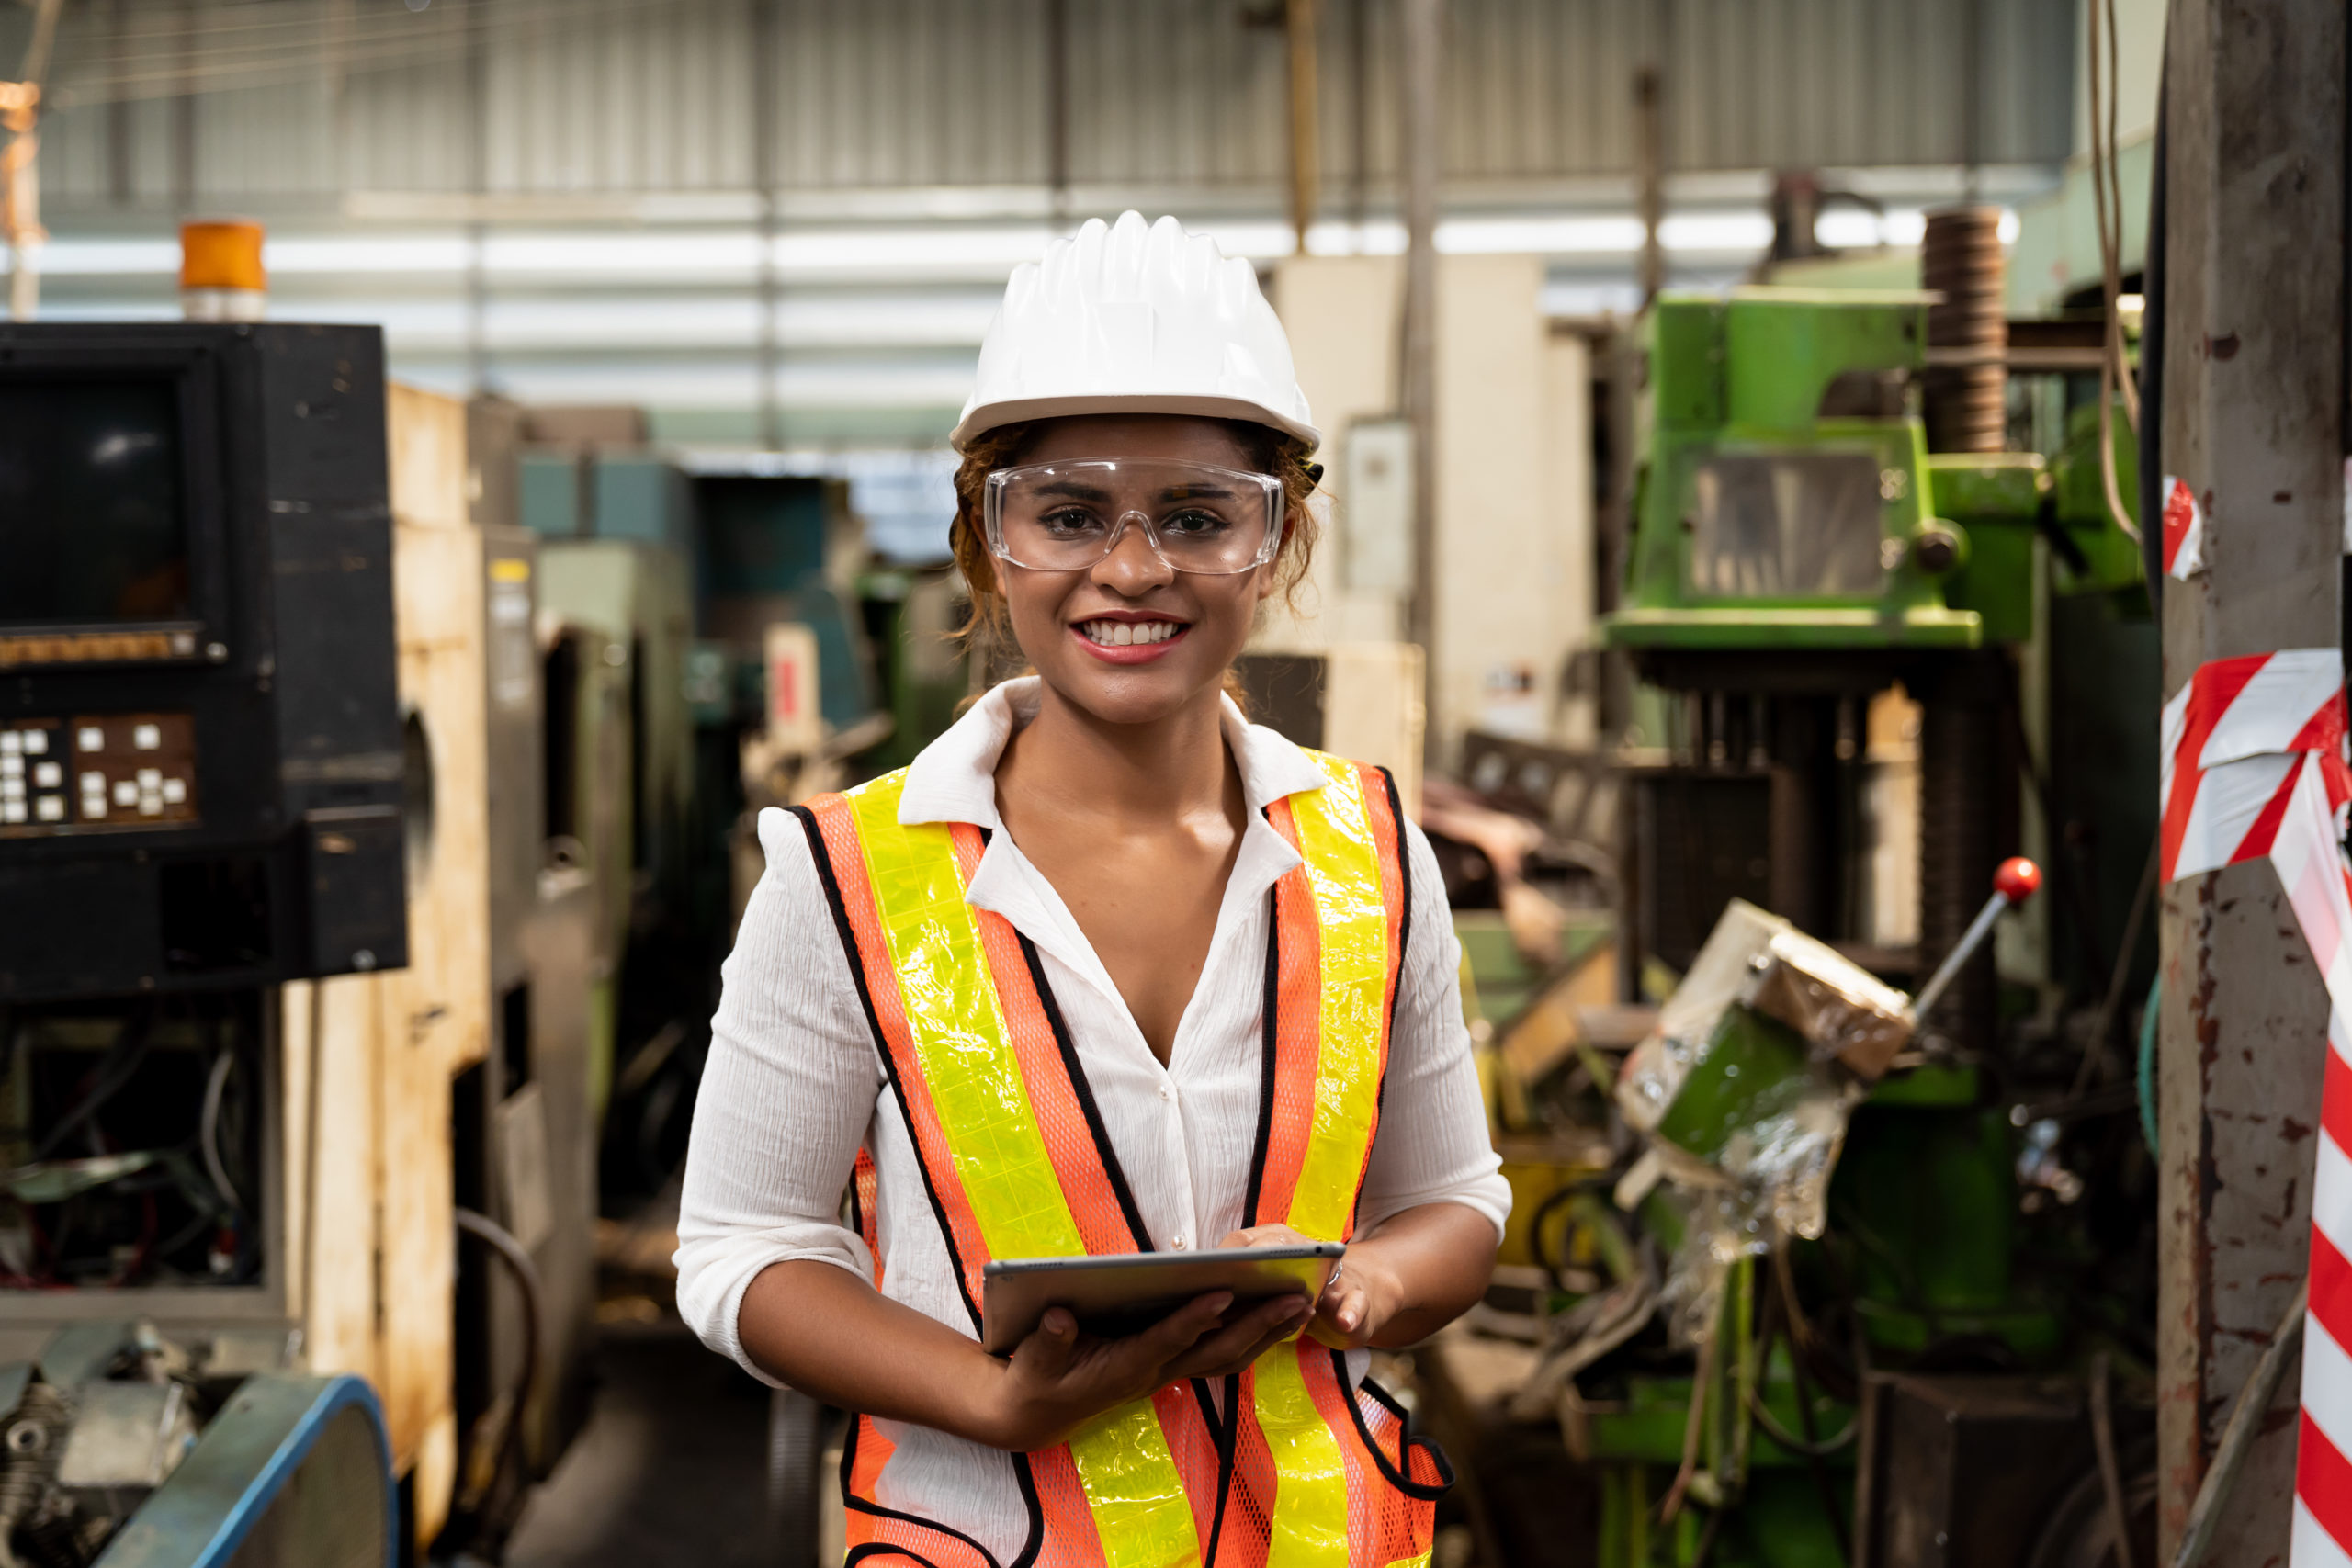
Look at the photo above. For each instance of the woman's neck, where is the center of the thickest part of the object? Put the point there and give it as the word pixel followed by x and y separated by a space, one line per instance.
pixel 1066 761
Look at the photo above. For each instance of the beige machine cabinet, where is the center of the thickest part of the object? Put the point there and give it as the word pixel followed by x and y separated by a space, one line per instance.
pixel 1358 700
pixel 371 1064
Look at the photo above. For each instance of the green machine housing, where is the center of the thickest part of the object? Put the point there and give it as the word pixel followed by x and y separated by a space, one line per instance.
pixel 1795 549
pixel 1785 499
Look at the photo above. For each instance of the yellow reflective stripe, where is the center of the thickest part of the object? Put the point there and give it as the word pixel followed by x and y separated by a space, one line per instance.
pixel 957 1026
pixel 956 1023
pixel 1310 1524
pixel 1421 1562
pixel 1335 838
pixel 1141 1513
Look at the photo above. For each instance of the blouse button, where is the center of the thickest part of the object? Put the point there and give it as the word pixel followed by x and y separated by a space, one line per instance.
pixel 1167 1092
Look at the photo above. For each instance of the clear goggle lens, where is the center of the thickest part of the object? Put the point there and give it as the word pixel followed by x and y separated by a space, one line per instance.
pixel 1196 517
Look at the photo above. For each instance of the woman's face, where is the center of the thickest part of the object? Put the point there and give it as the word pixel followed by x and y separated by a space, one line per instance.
pixel 1063 619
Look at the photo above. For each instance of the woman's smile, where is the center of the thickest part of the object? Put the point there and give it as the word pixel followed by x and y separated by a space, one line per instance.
pixel 1131 637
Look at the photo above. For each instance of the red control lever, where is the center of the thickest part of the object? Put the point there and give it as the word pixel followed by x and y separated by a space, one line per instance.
pixel 2018 880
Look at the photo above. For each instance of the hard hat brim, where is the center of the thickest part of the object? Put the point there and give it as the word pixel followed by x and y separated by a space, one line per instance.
pixel 1014 411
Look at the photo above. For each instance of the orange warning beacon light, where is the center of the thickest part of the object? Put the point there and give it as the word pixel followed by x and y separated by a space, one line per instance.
pixel 222 277
pixel 2018 880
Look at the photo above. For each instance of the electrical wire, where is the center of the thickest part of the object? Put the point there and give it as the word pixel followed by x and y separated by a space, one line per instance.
pixel 2108 205
pixel 312 42
pixel 114 1070
pixel 2110 1473
pixel 2095 1049
pixel 499 1521
pixel 208 1129
pixel 2246 1418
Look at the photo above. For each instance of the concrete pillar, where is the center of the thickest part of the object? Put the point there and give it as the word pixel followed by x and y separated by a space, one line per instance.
pixel 2253 422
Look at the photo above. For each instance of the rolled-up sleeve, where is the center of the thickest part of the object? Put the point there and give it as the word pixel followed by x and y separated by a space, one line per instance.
pixel 787 1095
pixel 1433 1145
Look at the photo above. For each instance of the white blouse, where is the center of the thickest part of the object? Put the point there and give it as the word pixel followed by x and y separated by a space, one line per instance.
pixel 793 1084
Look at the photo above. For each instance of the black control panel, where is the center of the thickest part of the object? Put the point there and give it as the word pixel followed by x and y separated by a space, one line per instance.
pixel 201 752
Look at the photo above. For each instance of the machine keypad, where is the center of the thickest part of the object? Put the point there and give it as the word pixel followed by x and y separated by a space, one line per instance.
pixel 97 772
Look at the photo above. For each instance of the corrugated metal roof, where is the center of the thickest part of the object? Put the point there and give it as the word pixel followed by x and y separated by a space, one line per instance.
pixel 310 99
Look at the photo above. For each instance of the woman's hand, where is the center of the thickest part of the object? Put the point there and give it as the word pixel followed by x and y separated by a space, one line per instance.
pixel 1359 1298
pixel 1401 1280
pixel 1058 1379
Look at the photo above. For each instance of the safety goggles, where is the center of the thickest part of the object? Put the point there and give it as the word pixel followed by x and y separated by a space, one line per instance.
pixel 1197 517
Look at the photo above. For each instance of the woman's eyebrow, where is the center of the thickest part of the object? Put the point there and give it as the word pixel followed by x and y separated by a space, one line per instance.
pixel 1077 489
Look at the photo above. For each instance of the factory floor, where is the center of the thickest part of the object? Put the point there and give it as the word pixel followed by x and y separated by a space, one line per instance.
pixel 669 1471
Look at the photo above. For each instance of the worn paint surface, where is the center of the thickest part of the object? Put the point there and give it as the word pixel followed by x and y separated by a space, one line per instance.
pixel 2252 420
pixel 2246 1034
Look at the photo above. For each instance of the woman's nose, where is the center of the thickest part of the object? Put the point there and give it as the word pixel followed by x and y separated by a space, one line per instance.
pixel 1132 567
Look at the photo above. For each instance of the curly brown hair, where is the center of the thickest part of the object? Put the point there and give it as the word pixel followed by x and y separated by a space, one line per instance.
pixel 1271 451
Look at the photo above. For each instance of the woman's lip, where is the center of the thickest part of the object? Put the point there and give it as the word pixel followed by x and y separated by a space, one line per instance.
pixel 1132 653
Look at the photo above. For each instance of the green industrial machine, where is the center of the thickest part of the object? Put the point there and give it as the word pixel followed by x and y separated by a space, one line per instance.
pixel 1797 556
pixel 619 757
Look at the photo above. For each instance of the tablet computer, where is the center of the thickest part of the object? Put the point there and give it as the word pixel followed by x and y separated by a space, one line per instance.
pixel 1118 1294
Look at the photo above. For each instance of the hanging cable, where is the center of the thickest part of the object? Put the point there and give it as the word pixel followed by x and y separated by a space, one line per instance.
pixel 208 1129
pixel 2108 205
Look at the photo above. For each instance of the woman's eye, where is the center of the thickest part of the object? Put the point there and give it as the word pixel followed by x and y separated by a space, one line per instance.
pixel 1071 520
pixel 1194 523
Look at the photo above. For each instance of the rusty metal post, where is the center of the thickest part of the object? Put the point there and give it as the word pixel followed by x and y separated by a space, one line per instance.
pixel 2253 422
pixel 1305 116
pixel 1423 38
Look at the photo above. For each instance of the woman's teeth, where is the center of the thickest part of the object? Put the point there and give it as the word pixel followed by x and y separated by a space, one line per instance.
pixel 1124 634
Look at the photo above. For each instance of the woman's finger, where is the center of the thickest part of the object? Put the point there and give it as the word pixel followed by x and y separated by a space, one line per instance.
pixel 1180 1331
pixel 1243 1340
pixel 1340 1322
pixel 1051 1346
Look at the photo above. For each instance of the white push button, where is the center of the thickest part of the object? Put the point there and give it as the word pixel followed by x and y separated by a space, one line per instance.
pixel 93 739
pixel 50 809
pixel 151 806
pixel 174 792
pixel 151 778
pixel 125 793
pixel 94 784
pixel 94 807
pixel 11 767
pixel 146 737
pixel 36 742
pixel 12 789
pixel 12 811
pixel 49 775
pixel 11 743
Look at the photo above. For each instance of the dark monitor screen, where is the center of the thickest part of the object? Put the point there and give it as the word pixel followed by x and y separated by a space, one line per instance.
pixel 93 520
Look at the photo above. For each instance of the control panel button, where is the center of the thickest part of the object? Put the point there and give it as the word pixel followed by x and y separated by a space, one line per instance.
pixel 128 773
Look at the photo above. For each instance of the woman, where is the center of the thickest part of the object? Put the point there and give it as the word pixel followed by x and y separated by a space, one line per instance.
pixel 1108 969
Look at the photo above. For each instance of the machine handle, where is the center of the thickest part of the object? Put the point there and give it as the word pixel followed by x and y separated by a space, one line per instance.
pixel 2018 880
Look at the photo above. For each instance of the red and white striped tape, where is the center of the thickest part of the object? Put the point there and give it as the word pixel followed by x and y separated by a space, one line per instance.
pixel 2254 768
pixel 2183 529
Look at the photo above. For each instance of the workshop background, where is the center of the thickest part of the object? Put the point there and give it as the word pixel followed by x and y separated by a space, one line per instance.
pixel 461 459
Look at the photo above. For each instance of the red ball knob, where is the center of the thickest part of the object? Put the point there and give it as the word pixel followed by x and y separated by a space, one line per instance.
pixel 2018 880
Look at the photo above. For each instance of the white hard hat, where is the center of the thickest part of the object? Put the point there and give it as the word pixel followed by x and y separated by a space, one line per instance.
pixel 1135 317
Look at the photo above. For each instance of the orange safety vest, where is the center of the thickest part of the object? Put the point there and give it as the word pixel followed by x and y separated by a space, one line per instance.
pixel 1299 1471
